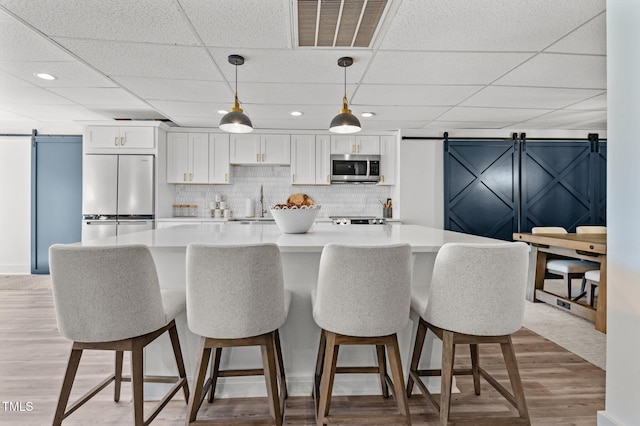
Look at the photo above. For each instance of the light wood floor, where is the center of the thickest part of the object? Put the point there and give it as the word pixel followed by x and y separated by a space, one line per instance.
pixel 560 387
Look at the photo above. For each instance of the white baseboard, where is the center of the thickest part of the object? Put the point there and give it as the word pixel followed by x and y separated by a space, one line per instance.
pixel 605 420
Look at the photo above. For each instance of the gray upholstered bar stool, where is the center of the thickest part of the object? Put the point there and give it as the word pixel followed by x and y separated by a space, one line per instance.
pixel 568 269
pixel 108 298
pixel 236 297
pixel 363 298
pixel 591 278
pixel 476 296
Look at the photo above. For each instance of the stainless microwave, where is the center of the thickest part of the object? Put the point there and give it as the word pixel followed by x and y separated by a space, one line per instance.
pixel 355 168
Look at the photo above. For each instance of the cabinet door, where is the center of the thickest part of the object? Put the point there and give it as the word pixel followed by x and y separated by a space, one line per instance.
pixel 343 144
pixel 137 137
pixel 199 158
pixel 323 158
pixel 275 149
pixel 368 145
pixel 102 137
pixel 303 160
pixel 387 160
pixel 219 158
pixel 177 157
pixel 245 149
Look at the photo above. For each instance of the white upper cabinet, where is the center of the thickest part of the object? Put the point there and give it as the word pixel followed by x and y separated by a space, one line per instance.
pixel 388 150
pixel 260 149
pixel 352 144
pixel 115 137
pixel 219 158
pixel 188 158
pixel 310 160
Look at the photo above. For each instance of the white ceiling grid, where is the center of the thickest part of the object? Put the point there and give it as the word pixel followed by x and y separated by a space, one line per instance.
pixel 434 64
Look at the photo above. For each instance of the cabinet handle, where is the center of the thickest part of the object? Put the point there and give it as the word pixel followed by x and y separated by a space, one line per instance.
pixel 382 179
pixel 122 140
pixel 115 141
pixel 293 178
pixel 190 177
pixel 263 158
pixel 226 179
pixel 353 149
pixel 184 178
pixel 257 158
pixel 358 149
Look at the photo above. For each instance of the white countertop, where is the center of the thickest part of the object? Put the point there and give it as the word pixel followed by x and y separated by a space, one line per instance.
pixel 421 238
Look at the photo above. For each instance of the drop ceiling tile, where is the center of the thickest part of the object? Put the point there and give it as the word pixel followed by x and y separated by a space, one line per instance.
pixel 145 60
pixel 187 109
pixel 569 117
pixel 19 43
pixel 400 113
pixel 8 80
pixel 69 74
pixel 591 38
pixel 454 68
pixel 527 97
pixel 485 25
pixel 99 96
pixel 177 90
pixel 557 70
pixel 292 66
pixel 498 115
pixel 149 21
pixel 246 23
pixel 46 113
pixel 597 102
pixel 189 121
pixel 282 112
pixel 293 93
pixel 129 112
pixel 30 95
pixel 408 94
pixel 6 116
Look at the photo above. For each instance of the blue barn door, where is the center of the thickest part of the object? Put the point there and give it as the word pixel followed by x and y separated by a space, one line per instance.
pixel 557 179
pixel 481 187
pixel 56 196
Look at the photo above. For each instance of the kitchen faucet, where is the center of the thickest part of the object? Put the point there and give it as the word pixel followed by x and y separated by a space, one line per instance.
pixel 262 210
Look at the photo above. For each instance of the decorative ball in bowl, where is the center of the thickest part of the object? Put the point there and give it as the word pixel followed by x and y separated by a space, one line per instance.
pixel 294 220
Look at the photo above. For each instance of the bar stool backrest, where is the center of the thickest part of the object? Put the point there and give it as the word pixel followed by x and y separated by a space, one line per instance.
pixel 364 291
pixel 234 291
pixel 548 230
pixel 478 289
pixel 591 229
pixel 107 293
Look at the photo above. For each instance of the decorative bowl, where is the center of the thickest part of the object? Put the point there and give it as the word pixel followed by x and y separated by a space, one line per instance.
pixel 294 220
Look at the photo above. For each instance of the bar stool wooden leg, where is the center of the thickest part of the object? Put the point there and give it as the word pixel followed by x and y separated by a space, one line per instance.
pixel 283 378
pixel 215 371
pixel 395 364
pixel 177 353
pixel 137 382
pixel 448 357
pixel 118 376
pixel 514 377
pixel 475 367
pixel 67 383
pixel 271 377
pixel 382 368
pixel 201 371
pixel 417 352
pixel 319 363
pixel 328 375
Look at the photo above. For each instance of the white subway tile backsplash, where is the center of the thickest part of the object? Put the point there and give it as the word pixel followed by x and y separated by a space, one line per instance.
pixel 336 200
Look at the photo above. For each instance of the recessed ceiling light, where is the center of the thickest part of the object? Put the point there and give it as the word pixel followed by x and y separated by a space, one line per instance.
pixel 367 114
pixel 296 113
pixel 44 76
pixel 222 111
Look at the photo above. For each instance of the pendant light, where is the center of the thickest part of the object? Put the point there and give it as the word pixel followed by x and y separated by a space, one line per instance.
pixel 236 121
pixel 345 122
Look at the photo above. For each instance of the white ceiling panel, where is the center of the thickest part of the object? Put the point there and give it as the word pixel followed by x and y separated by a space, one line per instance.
pixel 294 93
pixel 565 117
pixel 557 70
pixel 591 38
pixel 187 109
pixel 69 74
pixel 6 116
pixel 128 112
pixel 390 113
pixel 30 95
pixel 282 112
pixel 485 25
pixel 497 115
pixel 150 21
pixel 98 96
pixel 57 112
pixel 176 90
pixel 191 121
pixel 145 60
pixel 447 125
pixel 398 94
pixel 20 43
pixel 528 97
pixel 292 66
pixel 8 80
pixel 453 68
pixel 246 23
pixel 597 102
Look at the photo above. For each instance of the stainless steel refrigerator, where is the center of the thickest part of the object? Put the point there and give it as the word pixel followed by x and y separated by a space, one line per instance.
pixel 117 195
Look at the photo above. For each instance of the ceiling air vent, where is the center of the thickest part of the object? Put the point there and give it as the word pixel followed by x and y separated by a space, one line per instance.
pixel 338 23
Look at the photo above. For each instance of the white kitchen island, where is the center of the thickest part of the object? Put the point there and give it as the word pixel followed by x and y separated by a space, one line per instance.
pixel 300 334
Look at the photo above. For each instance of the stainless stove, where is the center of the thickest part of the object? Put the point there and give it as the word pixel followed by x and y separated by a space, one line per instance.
pixel 357 220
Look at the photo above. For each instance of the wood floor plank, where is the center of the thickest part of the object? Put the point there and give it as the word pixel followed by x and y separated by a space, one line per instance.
pixel 560 387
